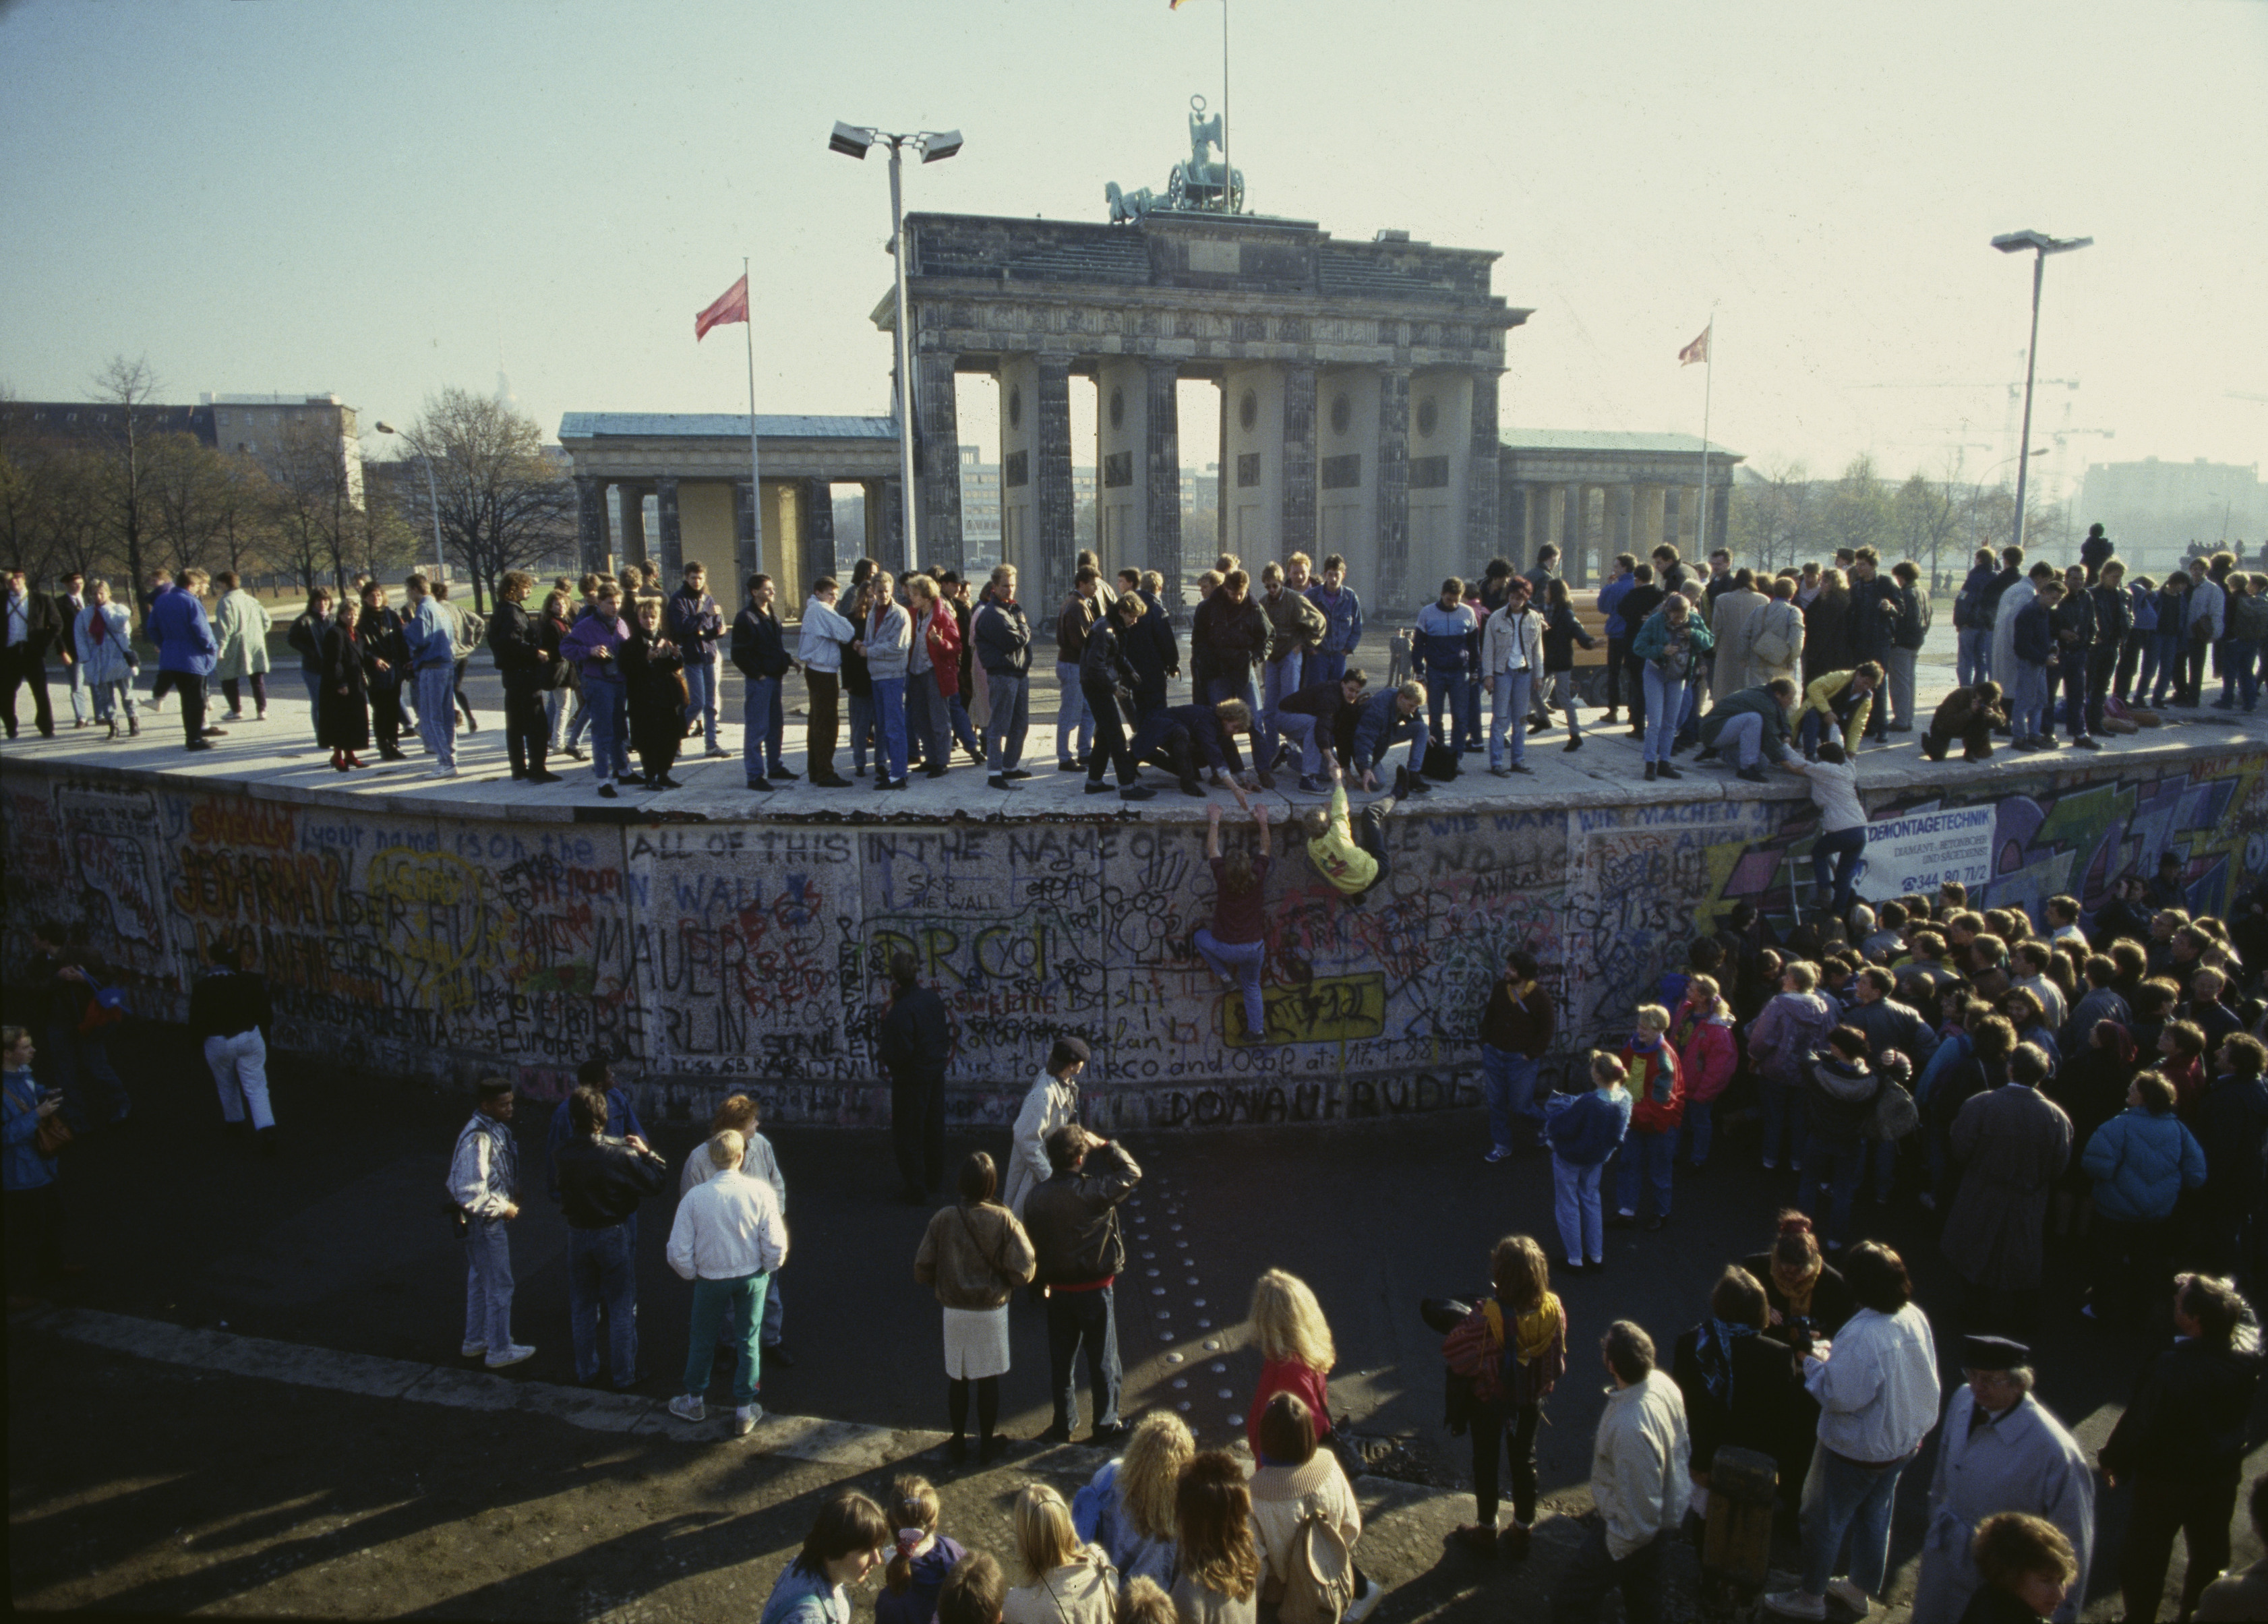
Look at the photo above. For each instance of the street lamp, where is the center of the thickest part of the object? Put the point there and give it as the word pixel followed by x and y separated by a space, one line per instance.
pixel 2041 245
pixel 853 141
pixel 440 563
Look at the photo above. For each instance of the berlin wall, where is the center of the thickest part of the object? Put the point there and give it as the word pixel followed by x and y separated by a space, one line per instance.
pixel 709 956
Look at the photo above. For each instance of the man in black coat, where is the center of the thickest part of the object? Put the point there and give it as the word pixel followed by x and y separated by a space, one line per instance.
pixel 32 627
pixel 1874 623
pixel 916 1043
pixel 517 642
pixel 2073 621
pixel 2182 1441
pixel 1074 1221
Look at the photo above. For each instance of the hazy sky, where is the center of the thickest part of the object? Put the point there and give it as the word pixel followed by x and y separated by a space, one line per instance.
pixel 375 199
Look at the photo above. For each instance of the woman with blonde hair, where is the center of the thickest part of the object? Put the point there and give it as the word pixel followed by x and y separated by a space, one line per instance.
pixel 1219 1566
pixel 1073 1581
pixel 1295 1348
pixel 1127 1508
pixel 1520 1340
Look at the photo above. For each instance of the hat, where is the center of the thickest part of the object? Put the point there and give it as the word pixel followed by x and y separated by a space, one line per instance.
pixel 1993 1353
pixel 1066 1051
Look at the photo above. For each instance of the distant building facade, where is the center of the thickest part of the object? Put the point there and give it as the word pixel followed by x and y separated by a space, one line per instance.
pixel 2169 504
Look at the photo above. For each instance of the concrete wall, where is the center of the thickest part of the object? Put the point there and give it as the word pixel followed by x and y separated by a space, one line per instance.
pixel 709 956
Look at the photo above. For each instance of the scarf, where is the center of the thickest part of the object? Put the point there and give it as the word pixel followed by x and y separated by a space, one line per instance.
pixel 1798 1286
pixel 1532 1333
pixel 1714 1347
pixel 98 629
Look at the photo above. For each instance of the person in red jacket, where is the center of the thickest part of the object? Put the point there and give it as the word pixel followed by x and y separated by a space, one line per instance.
pixel 1657 1109
pixel 1707 1056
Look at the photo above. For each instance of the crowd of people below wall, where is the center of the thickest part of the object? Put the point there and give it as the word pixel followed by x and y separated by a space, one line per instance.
pixel 1741 666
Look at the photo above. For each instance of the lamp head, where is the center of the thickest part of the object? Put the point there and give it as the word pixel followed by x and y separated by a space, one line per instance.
pixel 386 428
pixel 941 146
pixel 2020 242
pixel 849 139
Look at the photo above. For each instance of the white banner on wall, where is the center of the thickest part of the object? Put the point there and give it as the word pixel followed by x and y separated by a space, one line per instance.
pixel 1922 850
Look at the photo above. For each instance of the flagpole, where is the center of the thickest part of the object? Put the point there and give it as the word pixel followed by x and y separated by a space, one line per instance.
pixel 756 475
pixel 1708 387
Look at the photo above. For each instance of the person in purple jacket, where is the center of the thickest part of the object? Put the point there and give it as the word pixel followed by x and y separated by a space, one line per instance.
pixel 1584 1131
pixel 595 647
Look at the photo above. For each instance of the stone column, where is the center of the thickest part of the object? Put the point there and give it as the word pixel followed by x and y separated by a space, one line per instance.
pixel 632 498
pixel 1483 471
pixel 1516 526
pixel 1625 504
pixel 1057 545
pixel 1672 522
pixel 1297 525
pixel 1165 476
pixel 672 557
pixel 1393 493
pixel 590 523
pixel 885 522
pixel 815 503
pixel 936 467
pixel 1720 516
pixel 1571 525
pixel 747 559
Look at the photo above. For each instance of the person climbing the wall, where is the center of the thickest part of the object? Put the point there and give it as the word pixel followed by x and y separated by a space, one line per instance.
pixel 1350 854
pixel 1236 945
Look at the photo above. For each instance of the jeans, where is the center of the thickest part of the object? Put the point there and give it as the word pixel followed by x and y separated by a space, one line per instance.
pixel 1575 1206
pixel 314 680
pixel 437 712
pixel 1781 1104
pixel 240 1067
pixel 1279 679
pixel 1559 689
pixel 1697 1128
pixel 1617 665
pixel 111 697
pixel 1593 1571
pixel 607 702
pixel 1412 728
pixel 1901 688
pixel 755 728
pixel 929 718
pixel 1743 735
pixel 78 693
pixel 1088 1317
pixel 1844 1497
pixel 578 721
pixel 2238 672
pixel 700 697
pixel 1469 716
pixel 1508 1083
pixel 1644 1157
pixel 488 1285
pixel 918 1129
pixel 2168 647
pixel 1841 847
pixel 1665 697
pixel 602 1277
pixel 1073 721
pixel 1301 731
pixel 559 710
pixel 1447 688
pixel 1324 668
pixel 1510 702
pixel 1833 1168
pixel 1973 656
pixel 890 729
pixel 1010 718
pixel 726 1311
pixel 964 731
pixel 1241 962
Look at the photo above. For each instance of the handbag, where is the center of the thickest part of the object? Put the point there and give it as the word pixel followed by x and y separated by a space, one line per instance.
pixel 1895 1114
pixel 105 1008
pixel 52 1134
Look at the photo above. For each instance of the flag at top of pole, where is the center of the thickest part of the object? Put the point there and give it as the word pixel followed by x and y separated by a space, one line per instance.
pixel 1697 350
pixel 731 306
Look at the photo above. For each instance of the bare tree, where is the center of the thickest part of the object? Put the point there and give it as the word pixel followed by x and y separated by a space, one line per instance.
pixel 502 505
pixel 1772 517
pixel 313 504
pixel 129 385
pixel 1857 512
pixel 206 505
pixel 1926 515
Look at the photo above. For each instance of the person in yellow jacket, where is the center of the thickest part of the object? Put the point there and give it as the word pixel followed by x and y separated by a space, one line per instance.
pixel 1839 698
pixel 1352 857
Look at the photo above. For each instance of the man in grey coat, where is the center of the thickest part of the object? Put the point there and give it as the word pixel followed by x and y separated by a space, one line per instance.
pixel 1999 1450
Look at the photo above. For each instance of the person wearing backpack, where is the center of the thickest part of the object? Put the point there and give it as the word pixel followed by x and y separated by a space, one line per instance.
pixel 1305 1522
pixel 1512 1348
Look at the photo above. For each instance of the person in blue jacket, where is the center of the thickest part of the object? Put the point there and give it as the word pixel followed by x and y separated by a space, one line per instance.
pixel 1442 657
pixel 186 648
pixel 1385 717
pixel 848 1540
pixel 1617 630
pixel 1584 1131
pixel 1972 622
pixel 2141 1160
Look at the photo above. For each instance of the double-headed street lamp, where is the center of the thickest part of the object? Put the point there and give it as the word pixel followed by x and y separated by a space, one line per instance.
pixel 853 140
pixel 2040 245
pixel 433 491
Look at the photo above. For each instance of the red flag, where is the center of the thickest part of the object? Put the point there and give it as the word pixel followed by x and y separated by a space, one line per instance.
pixel 731 306
pixel 1697 350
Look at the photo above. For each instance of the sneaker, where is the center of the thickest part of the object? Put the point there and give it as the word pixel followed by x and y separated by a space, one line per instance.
pixel 1499 772
pixel 1498 1153
pixel 608 792
pixel 776 771
pixel 1521 766
pixel 715 754
pixel 514 1354
pixel 442 772
pixel 688 1406
pixel 745 1419
pixel 1851 1596
pixel 1753 774
pixel 998 781
pixel 1575 743
pixel 2087 741
pixel 1796 1605
pixel 1015 773
pixel 1136 792
pixel 1071 766
pixel 1362 1606
pixel 1313 785
pixel 760 784
pixel 1097 786
pixel 473 1350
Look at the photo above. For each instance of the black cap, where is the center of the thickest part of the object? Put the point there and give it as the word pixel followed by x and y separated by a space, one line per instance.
pixel 1068 1050
pixel 1993 1353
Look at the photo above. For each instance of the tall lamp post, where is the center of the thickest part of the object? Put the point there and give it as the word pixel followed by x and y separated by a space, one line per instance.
pixel 2040 245
pixel 853 140
pixel 432 491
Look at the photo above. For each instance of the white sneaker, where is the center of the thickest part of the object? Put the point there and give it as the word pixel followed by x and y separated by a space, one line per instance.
pixel 687 1406
pixel 1796 1605
pixel 745 1419
pixel 1850 1595
pixel 512 1354
pixel 473 1350
pixel 1362 1606
pixel 442 772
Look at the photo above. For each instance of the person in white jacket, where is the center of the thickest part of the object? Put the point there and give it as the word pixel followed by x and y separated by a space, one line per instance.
pixel 727 1239
pixel 758 1160
pixel 2209 607
pixel 1052 1102
pixel 484 1182
pixel 1877 1389
pixel 1640 1480
pixel 1512 657
pixel 820 652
